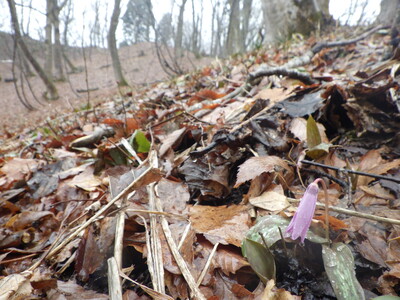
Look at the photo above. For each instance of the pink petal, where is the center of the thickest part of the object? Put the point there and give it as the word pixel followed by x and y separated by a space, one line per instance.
pixel 301 220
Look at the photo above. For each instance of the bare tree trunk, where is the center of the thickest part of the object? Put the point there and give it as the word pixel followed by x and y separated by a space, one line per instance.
pixel 58 51
pixel 51 89
pixel 282 18
pixel 179 31
pixel 389 12
pixel 57 39
pixel 48 64
pixel 233 38
pixel 245 15
pixel 119 77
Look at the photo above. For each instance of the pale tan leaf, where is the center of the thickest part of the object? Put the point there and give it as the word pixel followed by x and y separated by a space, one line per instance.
pixel 255 166
pixel 226 225
pixel 270 200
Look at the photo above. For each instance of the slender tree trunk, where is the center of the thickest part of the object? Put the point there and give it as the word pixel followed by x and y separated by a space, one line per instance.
pixel 58 51
pixel 179 31
pixel 233 38
pixel 57 39
pixel 119 77
pixel 245 14
pixel 48 64
pixel 51 88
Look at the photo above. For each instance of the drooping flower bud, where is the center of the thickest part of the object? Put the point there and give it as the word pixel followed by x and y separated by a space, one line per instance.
pixel 301 220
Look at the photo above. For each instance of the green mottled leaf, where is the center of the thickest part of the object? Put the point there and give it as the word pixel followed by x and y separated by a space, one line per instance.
pixel 268 226
pixel 313 135
pixel 339 266
pixel 260 258
pixel 140 143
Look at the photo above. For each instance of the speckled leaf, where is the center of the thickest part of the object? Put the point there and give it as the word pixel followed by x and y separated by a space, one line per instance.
pixel 268 227
pixel 339 266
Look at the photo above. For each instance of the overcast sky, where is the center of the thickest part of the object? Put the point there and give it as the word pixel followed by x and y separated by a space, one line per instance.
pixel 84 14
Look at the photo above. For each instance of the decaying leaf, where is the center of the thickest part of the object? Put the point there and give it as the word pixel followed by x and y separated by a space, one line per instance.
pixel 255 166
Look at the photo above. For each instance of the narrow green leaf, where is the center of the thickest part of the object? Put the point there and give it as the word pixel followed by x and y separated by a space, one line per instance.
pixel 339 266
pixel 260 258
pixel 313 135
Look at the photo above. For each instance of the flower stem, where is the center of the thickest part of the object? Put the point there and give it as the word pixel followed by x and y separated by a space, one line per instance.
pixel 319 180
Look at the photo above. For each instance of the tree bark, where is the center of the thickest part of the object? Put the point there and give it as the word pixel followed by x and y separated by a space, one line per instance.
pixel 245 20
pixel 51 93
pixel 119 77
pixel 179 31
pixel 390 9
pixel 57 40
pixel 282 18
pixel 233 38
pixel 48 64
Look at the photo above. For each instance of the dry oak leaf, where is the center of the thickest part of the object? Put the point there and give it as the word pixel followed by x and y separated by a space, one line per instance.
pixel 255 166
pixel 221 224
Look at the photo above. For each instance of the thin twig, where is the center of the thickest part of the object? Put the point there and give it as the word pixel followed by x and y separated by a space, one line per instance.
pixel 207 265
pixel 394 179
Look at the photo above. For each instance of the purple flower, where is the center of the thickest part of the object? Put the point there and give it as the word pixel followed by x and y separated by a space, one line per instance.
pixel 301 220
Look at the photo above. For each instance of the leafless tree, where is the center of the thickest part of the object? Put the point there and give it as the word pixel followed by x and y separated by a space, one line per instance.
pixel 112 45
pixel 179 31
pixel 51 92
pixel 233 41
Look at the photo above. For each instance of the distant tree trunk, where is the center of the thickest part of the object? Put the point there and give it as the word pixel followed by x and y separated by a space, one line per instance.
pixel 48 64
pixel 58 51
pixel 282 18
pixel 112 45
pixel 51 89
pixel 179 31
pixel 67 20
pixel 245 20
pixel 57 40
pixel 233 39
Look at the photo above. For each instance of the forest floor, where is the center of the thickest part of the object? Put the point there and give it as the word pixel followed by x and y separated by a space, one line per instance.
pixel 139 62
pixel 186 188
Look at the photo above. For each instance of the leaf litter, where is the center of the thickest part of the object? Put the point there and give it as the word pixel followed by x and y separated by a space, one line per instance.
pixel 199 175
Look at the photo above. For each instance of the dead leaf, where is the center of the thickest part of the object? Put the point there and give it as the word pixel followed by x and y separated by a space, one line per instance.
pixel 226 225
pixel 272 199
pixel 255 166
